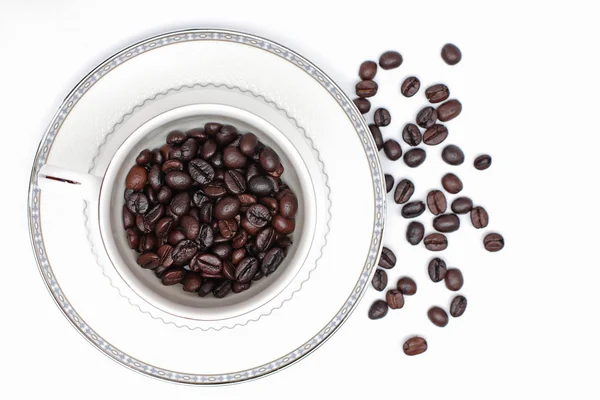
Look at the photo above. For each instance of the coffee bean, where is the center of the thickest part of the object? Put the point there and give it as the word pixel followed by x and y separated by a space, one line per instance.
pixel 128 218
pixel 449 110
pixel 215 190
pixel 189 149
pixel 454 279
pixel 414 346
pixel 190 227
pixel 233 158
pixel 222 289
pixel 451 54
pixel 367 70
pixel 413 209
pixel 479 217
pixel 228 270
pixel 151 195
pixel 201 171
pixel 133 239
pixel 240 239
pixel 165 194
pixel 222 250
pixel 378 310
pixel 284 242
pixel 260 186
pixel 453 155
pixel 392 149
pixel 212 128
pixel 208 150
pixel 249 226
pixel 248 144
pixel 435 242
pixel 155 177
pixel 148 260
pixel 258 215
pixel 191 282
pixel 206 212
pixel 376 133
pixel 458 306
pixel 427 117
pixel 414 157
pixel 380 280
pixel 226 207
pixel 180 205
pixel 415 232
pixel 410 86
pixel 493 242
pixel 436 201
pixel 283 225
pixel 206 287
pixel 165 252
pixel 446 223
pixel 272 260
pixel 206 237
pixel 462 205
pixel 178 180
pixel 407 286
pixel 235 182
pixel 363 105
pixel 206 263
pixel 147 243
pixel 452 183
pixel 163 228
pixel 174 237
pixel 197 133
pixel 265 239
pixel 272 204
pixel 226 135
pixel 437 93
pixel 228 228
pixel 246 269
pixel 269 159
pixel 437 269
pixel 246 199
pixel 176 137
pixel 288 205
pixel 389 183
pixel 366 88
pixel 482 162
pixel 438 316
pixel 404 191
pixel 387 259
pixel 184 252
pixel 390 60
pixel 382 117
pixel 137 203
pixel 435 135
pixel 394 299
pixel 157 157
pixel 173 276
pixel 411 135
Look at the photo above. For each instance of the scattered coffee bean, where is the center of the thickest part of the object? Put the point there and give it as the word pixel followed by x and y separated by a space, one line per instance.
pixel 222 289
pixel 427 117
pixel 390 60
pixel 437 93
pixel 414 346
pixel 382 117
pixel 479 217
pixel 414 157
pixel 446 223
pixel 438 316
pixel 366 88
pixel 377 136
pixel 493 242
pixel 462 205
pixel 449 110
pixel 452 183
pixel 415 232
pixel 363 105
pixel 413 209
pixel 392 149
pixel 191 282
pixel 482 162
pixel 453 155
pixel 451 54
pixel 367 70
pixel 435 242
pixel 380 280
pixel 435 135
pixel 394 299
pixel 144 157
pixel 389 184
pixel 206 287
pixel 412 135
pixel 437 269
pixel 454 279
pixel 173 276
pixel 436 202
pixel 378 309
pixel 137 203
pixel 458 306
pixel 387 259
pixel 407 286
pixel 404 191
pixel 410 86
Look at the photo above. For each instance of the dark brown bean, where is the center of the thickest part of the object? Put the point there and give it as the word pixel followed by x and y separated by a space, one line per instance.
pixel 128 218
pixel 248 144
pixel 288 205
pixel 155 177
pixel 462 205
pixel 178 180
pixel 410 86
pixel 411 135
pixel 377 136
pixel 392 149
pixel 493 242
pixel 174 237
pixel 449 110
pixel 437 93
pixel 190 227
pixel 446 223
pixel 228 228
pixel 133 239
pixel 367 70
pixel 234 182
pixel 482 162
pixel 390 60
pixel 389 183
pixel 148 260
pixel 222 289
pixel 206 263
pixel 176 137
pixel 436 202
pixel 366 88
pixel 246 269
pixel 363 105
pixel 435 135
pixel 380 280
pixel 223 250
pixel 137 203
pixel 387 259
pixel 479 217
pixel 407 286
pixel 458 306
pixel 413 209
pixel 454 279
pixel 414 157
pixel 453 155
pixel 437 269
pixel 184 252
pixel 271 261
pixel 226 135
pixel 451 183
pixel 173 276
pixel 192 282
pixel 136 178
pixel 404 191
pixel 451 54
pixel 237 256
pixel 427 117
pixel 283 225
pixel 209 149
pixel 414 346
pixel 180 205
pixel 378 310
pixel 260 186
pixel 415 232
pixel 144 157
pixel 438 316
pixel 197 133
pixel 394 299
pixel 435 242
pixel 382 117
pixel 206 287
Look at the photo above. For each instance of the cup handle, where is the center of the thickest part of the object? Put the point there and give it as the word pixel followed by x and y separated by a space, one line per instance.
pixel 67 182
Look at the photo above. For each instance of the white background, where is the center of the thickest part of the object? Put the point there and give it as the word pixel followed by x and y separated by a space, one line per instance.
pixel 529 86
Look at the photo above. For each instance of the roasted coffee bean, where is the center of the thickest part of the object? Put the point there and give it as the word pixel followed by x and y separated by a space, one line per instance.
pixel 148 243
pixel 237 256
pixel 163 228
pixel 458 306
pixel 128 218
pixel 265 239
pixel 363 105
pixel 165 150
pixel 246 199
pixel 228 270
pixel 222 250
pixel 366 88
pixel 212 128
pixel 248 144
pixel 258 276
pixel 436 201
pixel 189 149
pixel 390 60
pixel 283 225
pixel 414 346
pixel 190 227
pixel 284 242
pixel 410 86
pixel 413 209
pixel 493 242
pixel 414 157
pixel 175 153
pixel 137 203
pixel 199 199
pixel 197 133
pixel 205 237
pixel 452 183
pixel 479 217
pixel 462 205
pixel 387 259
pixel 258 215
pixel 206 287
pixel 240 239
pixel 155 177
pixel 206 212
pixel 180 205
pixel 171 165
pixel 165 253
pixel 174 237
pixel 178 180
pixel 184 252
pixel 438 316
pixel 237 287
pixel 215 190
pixel 367 70
pixel 176 137
pixel 482 162
pixel 389 183
pixel 133 239
pixel 233 157
pixel 144 157
pixel 252 171
pixel 207 263
pixel 446 223
pixel 136 178
pixel 234 182
pixel 157 157
pixel 275 183
pixel 378 310
pixel 260 186
pixel 411 135
pixel 449 110
pixel 127 193
pixel 453 155
pixel 427 117
pixel 208 150
pixel 151 194
pixel 394 299
pixel 437 269
pixel 201 171
pixel 269 159
pixel 246 269
pixel 435 135
pixel 226 135
pixel 148 260
pixel 249 226
pixel 407 286
pixel 222 289
pixel 437 93
pixel 435 242
pixel 272 260
pixel 226 207
pixel 415 232
pixel 392 149
pixel 454 279
pixel 451 54
pixel 228 228
pixel 380 280
pixel 376 133
pixel 143 224
pixel 404 191
pixel 272 204
pixel 192 282
pixel 382 117
pixel 173 276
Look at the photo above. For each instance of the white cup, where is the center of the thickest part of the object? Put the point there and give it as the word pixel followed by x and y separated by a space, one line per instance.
pixel 105 194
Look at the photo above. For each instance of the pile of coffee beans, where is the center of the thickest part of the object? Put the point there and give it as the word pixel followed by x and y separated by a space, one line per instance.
pixel 209 210
pixel 430 128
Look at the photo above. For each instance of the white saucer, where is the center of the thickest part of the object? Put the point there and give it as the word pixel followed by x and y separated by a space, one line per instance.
pixel 262 78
